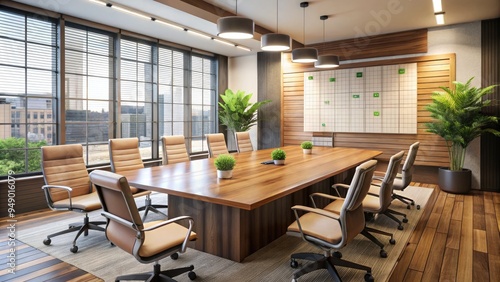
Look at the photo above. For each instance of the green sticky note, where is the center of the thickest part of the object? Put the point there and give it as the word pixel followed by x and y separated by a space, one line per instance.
pixel 401 71
pixel 376 94
pixel 323 124
pixel 376 114
pixel 332 79
pixel 359 74
pixel 310 77
pixel 355 96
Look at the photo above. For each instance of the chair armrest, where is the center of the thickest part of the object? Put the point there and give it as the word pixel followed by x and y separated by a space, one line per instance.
pixel 322 195
pixel 339 185
pixel 48 197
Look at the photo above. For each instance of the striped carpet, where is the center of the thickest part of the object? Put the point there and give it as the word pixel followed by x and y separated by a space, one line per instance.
pixel 271 263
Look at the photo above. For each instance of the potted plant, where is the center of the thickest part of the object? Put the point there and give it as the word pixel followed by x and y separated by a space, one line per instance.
pixel 306 147
pixel 459 120
pixel 237 113
pixel 278 156
pixel 225 164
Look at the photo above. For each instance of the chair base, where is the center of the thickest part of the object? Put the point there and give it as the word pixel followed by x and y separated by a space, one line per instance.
pixel 326 262
pixel 390 214
pixel 158 275
pixel 409 202
pixel 148 206
pixel 367 233
pixel 80 228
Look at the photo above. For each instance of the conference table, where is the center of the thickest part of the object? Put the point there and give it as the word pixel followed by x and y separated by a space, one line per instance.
pixel 236 217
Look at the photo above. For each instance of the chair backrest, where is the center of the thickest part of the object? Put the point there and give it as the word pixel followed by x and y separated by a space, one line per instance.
pixel 64 165
pixel 124 154
pixel 388 180
pixel 407 170
pixel 216 144
pixel 125 224
pixel 243 142
pixel 352 217
pixel 174 149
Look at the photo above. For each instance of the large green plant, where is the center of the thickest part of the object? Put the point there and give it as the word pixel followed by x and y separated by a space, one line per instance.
pixel 458 118
pixel 236 112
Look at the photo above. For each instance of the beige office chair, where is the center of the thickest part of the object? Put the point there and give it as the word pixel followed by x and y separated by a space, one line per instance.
pixel 124 155
pixel 174 149
pixel 403 179
pixel 147 242
pixel 331 231
pixel 216 144
pixel 243 142
pixel 68 188
pixel 378 203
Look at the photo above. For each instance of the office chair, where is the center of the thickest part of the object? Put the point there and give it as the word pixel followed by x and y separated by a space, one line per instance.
pixel 331 231
pixel 124 155
pixel 403 179
pixel 147 242
pixel 68 188
pixel 243 142
pixel 174 149
pixel 379 203
pixel 216 144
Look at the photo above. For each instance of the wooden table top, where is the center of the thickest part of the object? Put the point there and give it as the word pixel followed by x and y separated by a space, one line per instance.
pixel 253 184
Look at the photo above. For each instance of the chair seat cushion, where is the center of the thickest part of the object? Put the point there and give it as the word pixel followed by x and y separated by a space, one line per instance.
pixel 372 204
pixel 335 206
pixel 87 202
pixel 321 227
pixel 163 238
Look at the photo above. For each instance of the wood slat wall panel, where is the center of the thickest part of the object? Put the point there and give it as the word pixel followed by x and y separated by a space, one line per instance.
pixel 432 72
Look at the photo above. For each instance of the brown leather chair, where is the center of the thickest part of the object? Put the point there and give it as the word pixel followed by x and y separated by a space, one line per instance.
pixel 147 242
pixel 216 144
pixel 124 155
pixel 243 142
pixel 174 149
pixel 68 188
pixel 330 231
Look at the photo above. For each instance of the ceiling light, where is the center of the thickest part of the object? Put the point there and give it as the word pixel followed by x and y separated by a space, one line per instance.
pixel 235 27
pixel 305 54
pixel 275 41
pixel 437 6
pixel 439 17
pixel 326 61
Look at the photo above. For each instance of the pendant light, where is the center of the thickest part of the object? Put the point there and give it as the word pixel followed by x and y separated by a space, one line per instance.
pixel 275 41
pixel 235 27
pixel 326 61
pixel 305 54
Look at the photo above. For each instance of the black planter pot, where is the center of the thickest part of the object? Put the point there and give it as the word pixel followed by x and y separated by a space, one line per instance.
pixel 456 182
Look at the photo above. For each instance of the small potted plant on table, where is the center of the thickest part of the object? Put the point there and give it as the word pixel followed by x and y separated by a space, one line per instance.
pixel 225 164
pixel 278 156
pixel 307 147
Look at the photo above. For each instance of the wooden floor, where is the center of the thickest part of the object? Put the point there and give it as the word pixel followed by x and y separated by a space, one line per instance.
pixel 456 239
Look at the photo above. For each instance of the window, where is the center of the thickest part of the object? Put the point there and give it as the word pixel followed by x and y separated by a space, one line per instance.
pixel 137 92
pixel 28 75
pixel 89 91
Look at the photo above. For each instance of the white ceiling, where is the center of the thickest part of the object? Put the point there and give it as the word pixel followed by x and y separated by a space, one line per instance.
pixel 348 18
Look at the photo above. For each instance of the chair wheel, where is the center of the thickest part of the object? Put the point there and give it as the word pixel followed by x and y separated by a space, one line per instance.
pixel 392 241
pixel 408 207
pixel 294 264
pixel 369 277
pixel 383 254
pixel 337 255
pixel 74 249
pixel 192 275
pixel 175 256
pixel 405 220
pixel 400 227
pixel 418 207
pixel 47 242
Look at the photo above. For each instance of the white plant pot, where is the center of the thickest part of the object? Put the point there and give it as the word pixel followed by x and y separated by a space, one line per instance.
pixel 224 173
pixel 307 151
pixel 279 162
